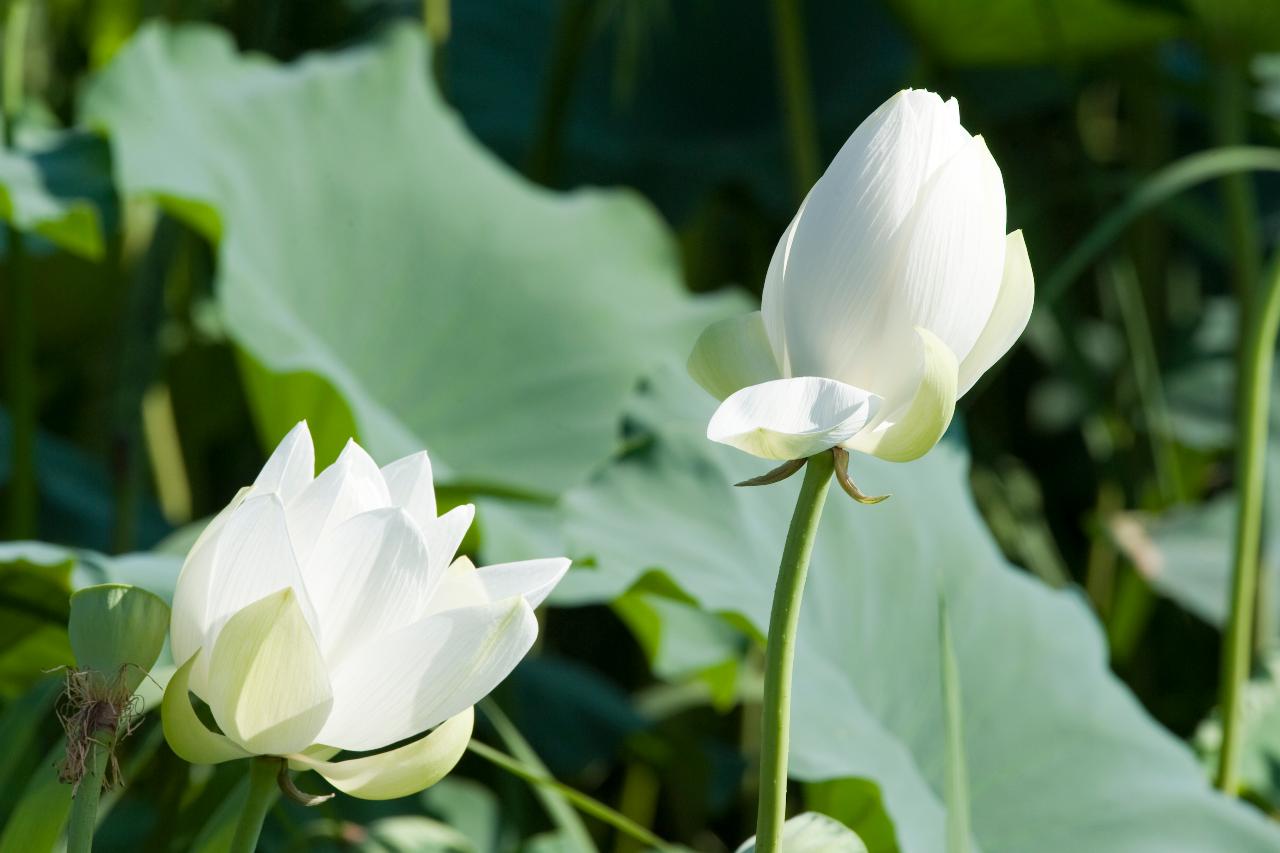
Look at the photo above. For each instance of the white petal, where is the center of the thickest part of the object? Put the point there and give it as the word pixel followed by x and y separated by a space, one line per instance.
pixel 939 127
pixel 445 535
pixel 415 678
pixel 411 487
pixel 466 586
pixel 792 418
pixel 189 621
pixel 837 306
pixel 402 771
pixel 953 248
pixel 268 686
pixel 253 558
pixel 369 575
pixel 531 579
pixel 773 304
pixel 731 354
pixel 290 468
pixel 351 485
pixel 1008 318
pixel 917 425
pixel 461 587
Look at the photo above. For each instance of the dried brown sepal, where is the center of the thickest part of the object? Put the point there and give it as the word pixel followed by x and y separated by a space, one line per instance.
pixel 777 475
pixel 850 489
pixel 96 712
pixel 293 792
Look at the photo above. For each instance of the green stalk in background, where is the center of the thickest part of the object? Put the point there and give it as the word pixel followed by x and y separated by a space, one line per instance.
pixel 263 789
pixel 20 357
pixel 797 94
pixel 780 653
pixel 1231 93
pixel 1257 351
pixel 585 803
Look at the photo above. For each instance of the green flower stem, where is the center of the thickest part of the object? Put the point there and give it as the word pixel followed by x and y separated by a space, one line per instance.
pixel 1257 351
pixel 781 651
pixel 584 803
pixel 84 804
pixel 262 795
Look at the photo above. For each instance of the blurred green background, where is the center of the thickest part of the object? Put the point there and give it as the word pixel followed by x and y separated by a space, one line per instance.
pixel 226 216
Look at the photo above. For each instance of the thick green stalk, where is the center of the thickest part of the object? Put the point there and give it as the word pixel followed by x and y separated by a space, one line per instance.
pixel 20 356
pixel 262 795
pixel 797 94
pixel 784 620
pixel 1257 351
pixel 84 805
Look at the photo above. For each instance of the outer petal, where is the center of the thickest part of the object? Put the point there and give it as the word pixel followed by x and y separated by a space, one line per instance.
pixel 351 485
pixel 399 772
pixel 918 425
pixel 445 535
pixel 952 248
pixel 840 272
pixel 254 557
pixel 731 354
pixel 461 587
pixel 188 622
pixel 410 680
pixel 189 738
pixel 466 586
pixel 369 575
pixel 1008 318
pixel 268 687
pixel 412 488
pixel 531 579
pixel 792 418
pixel 291 467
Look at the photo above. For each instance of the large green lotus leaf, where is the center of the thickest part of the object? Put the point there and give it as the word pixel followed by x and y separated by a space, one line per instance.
pixel 1059 755
pixel 367 239
pixel 1003 32
pixel 61 190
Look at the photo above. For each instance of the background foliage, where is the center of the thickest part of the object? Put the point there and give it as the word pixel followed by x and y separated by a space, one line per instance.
pixel 493 230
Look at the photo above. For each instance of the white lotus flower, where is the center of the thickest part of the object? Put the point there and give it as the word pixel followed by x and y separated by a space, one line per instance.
pixel 325 613
pixel 892 291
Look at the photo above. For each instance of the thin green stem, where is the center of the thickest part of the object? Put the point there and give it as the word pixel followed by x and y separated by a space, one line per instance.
pixel 1231 126
pixel 784 620
pixel 584 803
pixel 20 357
pixel 1177 177
pixel 558 808
pixel 84 804
pixel 797 94
pixel 262 795
pixel 1258 343
pixel 1156 415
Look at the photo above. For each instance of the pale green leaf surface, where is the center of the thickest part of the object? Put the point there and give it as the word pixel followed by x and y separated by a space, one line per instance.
pixel 43 191
pixel 370 241
pixel 1060 756
pixel 117 628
